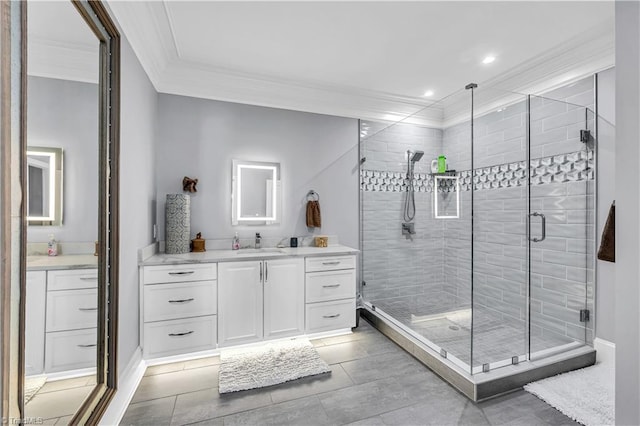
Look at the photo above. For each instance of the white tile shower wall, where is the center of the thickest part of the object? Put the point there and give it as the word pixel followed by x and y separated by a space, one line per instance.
pixel 393 264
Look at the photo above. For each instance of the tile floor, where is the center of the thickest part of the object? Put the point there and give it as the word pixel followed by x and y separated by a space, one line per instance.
pixel 494 338
pixel 57 401
pixel 373 382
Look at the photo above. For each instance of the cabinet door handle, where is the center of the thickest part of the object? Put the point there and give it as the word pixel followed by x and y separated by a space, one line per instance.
pixel 266 272
pixel 87 309
pixel 335 262
pixel 182 273
pixel 331 316
pixel 331 286
pixel 88 278
pixel 180 334
pixel 87 346
pixel 261 272
pixel 191 299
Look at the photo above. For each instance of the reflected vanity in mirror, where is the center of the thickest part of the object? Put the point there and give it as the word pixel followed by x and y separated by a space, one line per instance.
pixel 256 193
pixel 70 327
pixel 44 186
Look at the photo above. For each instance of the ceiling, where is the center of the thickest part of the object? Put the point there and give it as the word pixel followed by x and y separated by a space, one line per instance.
pixel 363 59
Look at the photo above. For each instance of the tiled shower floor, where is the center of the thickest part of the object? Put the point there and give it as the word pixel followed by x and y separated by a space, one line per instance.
pixel 445 320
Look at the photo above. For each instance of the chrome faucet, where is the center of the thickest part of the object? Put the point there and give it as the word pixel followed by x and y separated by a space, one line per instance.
pixel 258 240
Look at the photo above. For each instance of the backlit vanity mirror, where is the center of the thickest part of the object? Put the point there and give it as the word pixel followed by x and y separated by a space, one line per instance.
pixel 44 186
pixel 70 323
pixel 256 193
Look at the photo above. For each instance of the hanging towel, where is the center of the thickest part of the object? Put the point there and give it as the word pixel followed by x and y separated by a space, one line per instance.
pixel 608 242
pixel 313 214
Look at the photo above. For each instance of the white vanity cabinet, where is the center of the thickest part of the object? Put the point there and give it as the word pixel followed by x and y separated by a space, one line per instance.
pixel 260 299
pixel 34 329
pixel 179 309
pixel 71 319
pixel 330 293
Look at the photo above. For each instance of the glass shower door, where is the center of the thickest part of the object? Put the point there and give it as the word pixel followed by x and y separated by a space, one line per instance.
pixel 561 232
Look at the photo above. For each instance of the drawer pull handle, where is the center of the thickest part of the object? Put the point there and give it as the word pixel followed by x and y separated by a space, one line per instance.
pixel 191 299
pixel 87 309
pixel 182 273
pixel 181 334
pixel 331 316
pixel 331 286
pixel 88 278
pixel 87 346
pixel 335 262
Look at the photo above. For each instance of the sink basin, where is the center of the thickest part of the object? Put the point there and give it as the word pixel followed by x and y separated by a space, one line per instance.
pixel 260 250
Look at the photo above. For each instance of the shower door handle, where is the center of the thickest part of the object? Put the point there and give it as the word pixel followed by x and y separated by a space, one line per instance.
pixel 544 227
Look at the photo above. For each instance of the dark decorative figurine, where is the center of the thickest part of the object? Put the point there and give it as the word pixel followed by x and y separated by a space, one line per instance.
pixel 189 185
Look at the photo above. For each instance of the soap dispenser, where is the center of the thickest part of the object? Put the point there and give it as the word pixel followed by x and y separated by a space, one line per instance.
pixel 52 246
pixel 235 245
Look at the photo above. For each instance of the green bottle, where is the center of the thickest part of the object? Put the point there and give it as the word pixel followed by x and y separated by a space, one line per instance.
pixel 442 164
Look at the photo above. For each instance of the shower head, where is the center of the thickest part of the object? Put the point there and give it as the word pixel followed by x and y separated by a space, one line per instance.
pixel 416 156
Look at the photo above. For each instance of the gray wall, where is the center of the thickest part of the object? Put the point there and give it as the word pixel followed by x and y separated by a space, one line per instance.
pixel 138 137
pixel 199 138
pixel 606 271
pixel 55 121
pixel 627 153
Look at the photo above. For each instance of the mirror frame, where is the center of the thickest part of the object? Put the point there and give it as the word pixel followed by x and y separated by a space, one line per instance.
pixel 56 176
pixel 97 18
pixel 236 195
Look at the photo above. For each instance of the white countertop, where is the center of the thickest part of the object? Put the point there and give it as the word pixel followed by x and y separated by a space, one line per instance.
pixel 245 254
pixel 70 261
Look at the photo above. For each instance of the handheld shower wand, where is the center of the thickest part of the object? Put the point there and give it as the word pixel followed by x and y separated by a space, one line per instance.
pixel 410 202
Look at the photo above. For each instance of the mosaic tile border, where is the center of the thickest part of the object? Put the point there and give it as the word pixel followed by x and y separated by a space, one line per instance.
pixel 573 167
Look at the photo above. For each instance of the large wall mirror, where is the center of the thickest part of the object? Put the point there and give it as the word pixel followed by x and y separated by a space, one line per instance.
pixel 256 194
pixel 69 331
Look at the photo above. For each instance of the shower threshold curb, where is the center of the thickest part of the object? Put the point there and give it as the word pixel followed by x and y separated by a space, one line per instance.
pixel 487 385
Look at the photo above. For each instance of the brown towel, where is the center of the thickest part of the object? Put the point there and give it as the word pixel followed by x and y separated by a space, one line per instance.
pixel 313 214
pixel 608 243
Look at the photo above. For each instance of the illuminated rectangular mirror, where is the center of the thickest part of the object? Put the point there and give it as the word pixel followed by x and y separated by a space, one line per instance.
pixel 255 193
pixel 44 186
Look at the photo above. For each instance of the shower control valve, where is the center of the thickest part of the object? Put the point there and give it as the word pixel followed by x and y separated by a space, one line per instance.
pixel 408 228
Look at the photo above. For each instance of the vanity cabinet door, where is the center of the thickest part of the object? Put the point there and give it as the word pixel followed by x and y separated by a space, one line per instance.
pixel 240 302
pixel 35 322
pixel 283 297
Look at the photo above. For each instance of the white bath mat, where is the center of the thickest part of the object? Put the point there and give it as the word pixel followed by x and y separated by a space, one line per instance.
pixel 586 395
pixel 32 385
pixel 269 364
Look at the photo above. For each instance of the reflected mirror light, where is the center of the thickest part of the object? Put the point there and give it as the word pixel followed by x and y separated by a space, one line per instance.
pixel 255 193
pixel 44 186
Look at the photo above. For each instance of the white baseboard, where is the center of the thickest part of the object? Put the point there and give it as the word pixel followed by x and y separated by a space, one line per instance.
pixel 128 382
pixel 605 351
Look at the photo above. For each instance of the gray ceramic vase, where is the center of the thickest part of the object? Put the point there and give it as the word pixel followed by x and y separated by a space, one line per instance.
pixel 178 223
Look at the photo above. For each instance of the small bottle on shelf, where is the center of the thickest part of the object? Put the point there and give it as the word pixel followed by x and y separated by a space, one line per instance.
pixel 52 246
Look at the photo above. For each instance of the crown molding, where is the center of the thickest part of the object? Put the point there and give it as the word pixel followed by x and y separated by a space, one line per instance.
pixel 147 26
pixel 64 61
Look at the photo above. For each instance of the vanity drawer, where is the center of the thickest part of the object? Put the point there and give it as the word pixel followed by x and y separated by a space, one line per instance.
pixel 70 350
pixel 72 279
pixel 181 300
pixel 72 309
pixel 174 337
pixel 330 263
pixel 331 285
pixel 180 273
pixel 331 315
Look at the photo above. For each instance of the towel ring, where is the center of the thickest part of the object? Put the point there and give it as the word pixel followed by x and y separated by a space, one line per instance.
pixel 313 196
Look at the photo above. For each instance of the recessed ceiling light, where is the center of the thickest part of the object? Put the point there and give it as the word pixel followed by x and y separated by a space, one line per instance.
pixel 488 59
pixel 428 93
